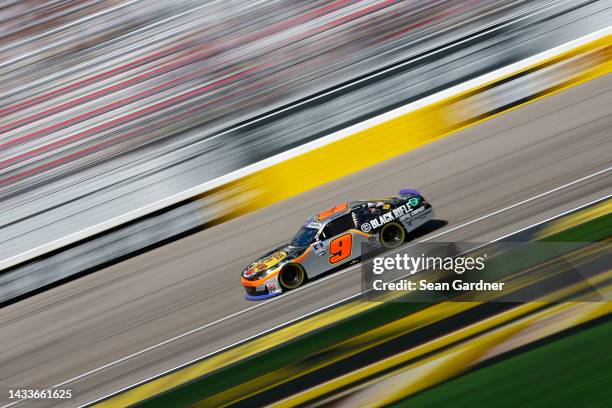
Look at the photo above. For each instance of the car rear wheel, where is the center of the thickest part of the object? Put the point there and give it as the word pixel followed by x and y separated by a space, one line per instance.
pixel 392 235
pixel 292 276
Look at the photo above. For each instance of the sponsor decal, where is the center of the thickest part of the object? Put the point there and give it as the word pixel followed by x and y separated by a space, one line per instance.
pixel 366 227
pixel 266 263
pixel 273 287
pixel 315 225
pixel 382 219
pixel 400 213
pixel 412 213
pixel 319 249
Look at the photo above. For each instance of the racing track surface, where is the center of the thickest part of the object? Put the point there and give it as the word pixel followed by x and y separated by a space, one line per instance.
pixel 95 320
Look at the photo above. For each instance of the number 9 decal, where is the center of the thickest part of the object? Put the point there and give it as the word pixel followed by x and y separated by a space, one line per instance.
pixel 340 248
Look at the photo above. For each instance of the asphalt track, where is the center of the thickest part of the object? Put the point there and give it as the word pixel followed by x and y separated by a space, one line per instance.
pixel 98 319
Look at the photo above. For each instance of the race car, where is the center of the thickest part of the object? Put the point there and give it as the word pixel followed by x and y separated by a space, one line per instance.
pixel 335 238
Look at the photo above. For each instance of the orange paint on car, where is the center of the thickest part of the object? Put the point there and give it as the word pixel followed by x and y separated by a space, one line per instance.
pixel 356 231
pixel 328 213
pixel 299 258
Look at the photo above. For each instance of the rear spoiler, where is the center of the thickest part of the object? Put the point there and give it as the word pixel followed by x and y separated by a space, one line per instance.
pixel 409 192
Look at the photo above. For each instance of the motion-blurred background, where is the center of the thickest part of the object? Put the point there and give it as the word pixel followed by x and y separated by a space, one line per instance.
pixel 120 120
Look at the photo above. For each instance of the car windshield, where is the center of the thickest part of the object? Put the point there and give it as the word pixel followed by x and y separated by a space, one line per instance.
pixel 304 237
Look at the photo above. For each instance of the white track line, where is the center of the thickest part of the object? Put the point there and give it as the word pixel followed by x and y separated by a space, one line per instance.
pixel 571 183
pixel 299 150
pixel 317 282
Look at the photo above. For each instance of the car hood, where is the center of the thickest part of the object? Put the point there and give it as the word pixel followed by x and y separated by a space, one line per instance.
pixel 277 257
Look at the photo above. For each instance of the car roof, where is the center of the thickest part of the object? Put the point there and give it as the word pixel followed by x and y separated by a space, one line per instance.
pixel 339 210
pixel 333 212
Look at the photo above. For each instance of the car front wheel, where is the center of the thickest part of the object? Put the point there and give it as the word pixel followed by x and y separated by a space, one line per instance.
pixel 292 276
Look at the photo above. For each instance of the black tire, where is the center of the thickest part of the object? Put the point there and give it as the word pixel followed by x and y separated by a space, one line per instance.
pixel 292 276
pixel 392 235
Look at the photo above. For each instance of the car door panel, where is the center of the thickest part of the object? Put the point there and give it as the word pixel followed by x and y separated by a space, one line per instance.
pixel 335 251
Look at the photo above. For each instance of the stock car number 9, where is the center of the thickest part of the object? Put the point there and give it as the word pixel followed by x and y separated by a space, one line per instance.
pixel 340 248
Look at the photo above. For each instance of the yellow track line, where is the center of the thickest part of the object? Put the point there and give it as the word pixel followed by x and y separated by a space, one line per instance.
pixel 456 360
pixel 573 220
pixel 347 348
pixel 368 340
pixel 435 344
pixel 240 352
pixel 409 355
